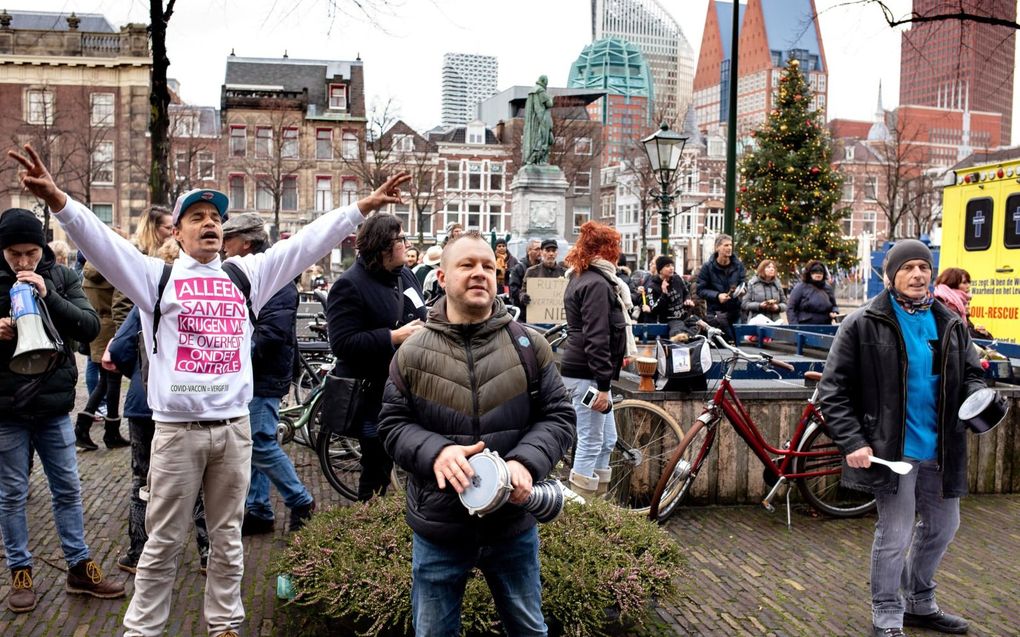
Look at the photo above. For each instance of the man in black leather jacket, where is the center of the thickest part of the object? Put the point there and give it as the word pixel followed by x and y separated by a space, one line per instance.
pixel 894 380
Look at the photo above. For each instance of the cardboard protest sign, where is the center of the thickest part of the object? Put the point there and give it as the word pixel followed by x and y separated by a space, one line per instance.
pixel 546 300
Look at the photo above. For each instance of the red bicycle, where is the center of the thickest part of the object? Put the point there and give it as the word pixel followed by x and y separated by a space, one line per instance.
pixel 810 458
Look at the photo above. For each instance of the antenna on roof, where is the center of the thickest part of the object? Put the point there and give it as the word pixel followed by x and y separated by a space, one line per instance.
pixel 285 56
pixel 358 58
pixel 232 52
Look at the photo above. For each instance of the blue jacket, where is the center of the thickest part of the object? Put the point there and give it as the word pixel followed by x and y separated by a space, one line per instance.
pixel 275 343
pixel 124 354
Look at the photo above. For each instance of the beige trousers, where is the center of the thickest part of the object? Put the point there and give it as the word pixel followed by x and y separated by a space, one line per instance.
pixel 186 457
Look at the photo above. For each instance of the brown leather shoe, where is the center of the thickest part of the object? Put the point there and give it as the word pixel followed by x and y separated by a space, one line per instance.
pixel 86 578
pixel 22 597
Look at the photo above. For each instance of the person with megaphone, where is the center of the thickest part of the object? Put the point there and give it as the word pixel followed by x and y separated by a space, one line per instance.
pixel 43 309
pixel 197 325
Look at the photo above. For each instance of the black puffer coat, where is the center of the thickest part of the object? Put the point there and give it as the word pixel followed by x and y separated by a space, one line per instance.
pixel 596 330
pixel 363 307
pixel 863 393
pixel 811 305
pixel 468 384
pixel 714 279
pixel 275 343
pixel 74 319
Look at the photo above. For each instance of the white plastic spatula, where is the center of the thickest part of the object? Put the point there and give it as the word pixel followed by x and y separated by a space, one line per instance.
pixel 902 468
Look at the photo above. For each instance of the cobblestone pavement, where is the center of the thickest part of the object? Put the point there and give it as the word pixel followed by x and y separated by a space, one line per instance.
pixel 749 574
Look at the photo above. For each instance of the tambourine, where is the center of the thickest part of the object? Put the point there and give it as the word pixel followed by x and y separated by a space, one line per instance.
pixel 490 489
pixel 983 410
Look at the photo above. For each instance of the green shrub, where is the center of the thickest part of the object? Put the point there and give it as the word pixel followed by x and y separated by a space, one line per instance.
pixel 601 567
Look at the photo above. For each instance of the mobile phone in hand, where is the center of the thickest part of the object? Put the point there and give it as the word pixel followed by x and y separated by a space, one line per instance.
pixel 589 399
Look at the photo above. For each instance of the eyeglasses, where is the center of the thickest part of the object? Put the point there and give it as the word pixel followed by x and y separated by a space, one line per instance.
pixel 401 239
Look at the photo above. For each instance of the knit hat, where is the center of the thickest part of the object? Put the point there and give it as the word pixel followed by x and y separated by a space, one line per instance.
pixel 905 250
pixel 662 262
pixel 18 225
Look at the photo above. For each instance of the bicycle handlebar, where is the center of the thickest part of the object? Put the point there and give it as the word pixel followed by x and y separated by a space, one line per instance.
pixel 716 336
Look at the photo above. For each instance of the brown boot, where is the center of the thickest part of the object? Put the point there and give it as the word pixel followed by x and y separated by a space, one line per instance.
pixel 22 597
pixel 86 578
pixel 112 438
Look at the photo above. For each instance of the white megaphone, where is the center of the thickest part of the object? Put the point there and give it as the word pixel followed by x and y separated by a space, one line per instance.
pixel 36 353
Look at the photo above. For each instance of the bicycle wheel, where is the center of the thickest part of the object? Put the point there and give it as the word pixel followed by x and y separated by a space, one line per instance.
pixel 340 458
pixel 825 493
pixel 303 385
pixel 679 474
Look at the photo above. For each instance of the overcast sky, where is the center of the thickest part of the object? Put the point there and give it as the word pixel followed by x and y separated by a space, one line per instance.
pixel 403 58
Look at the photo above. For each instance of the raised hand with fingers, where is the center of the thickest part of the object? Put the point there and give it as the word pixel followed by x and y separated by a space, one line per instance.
pixel 36 179
pixel 385 194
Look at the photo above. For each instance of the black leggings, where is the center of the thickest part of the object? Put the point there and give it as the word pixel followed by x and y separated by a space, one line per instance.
pixel 108 387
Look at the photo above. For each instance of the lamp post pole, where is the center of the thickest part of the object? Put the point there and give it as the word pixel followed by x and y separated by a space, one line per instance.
pixel 664 200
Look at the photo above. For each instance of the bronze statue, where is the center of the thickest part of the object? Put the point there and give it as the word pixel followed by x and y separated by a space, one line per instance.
pixel 538 133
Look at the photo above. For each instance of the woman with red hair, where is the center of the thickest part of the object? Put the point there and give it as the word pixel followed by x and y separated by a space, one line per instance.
pixel 598 339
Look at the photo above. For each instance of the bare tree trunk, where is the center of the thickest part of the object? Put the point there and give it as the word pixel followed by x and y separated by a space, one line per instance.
pixel 159 101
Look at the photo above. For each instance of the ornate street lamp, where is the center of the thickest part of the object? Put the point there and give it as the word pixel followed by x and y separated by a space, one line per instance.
pixel 664 149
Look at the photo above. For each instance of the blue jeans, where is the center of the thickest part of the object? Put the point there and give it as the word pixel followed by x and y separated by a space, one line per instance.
pixel 905 555
pixel 91 375
pixel 440 573
pixel 269 463
pixel 596 432
pixel 53 439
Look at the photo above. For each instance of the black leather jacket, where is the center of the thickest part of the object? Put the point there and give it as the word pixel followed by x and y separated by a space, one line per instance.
pixel 863 393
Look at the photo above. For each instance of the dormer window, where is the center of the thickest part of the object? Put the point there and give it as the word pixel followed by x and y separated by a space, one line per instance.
pixel 403 143
pixel 338 97
pixel 475 134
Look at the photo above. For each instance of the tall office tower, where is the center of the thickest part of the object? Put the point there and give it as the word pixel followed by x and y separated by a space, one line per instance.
pixel 957 65
pixel 657 35
pixel 467 80
pixel 771 32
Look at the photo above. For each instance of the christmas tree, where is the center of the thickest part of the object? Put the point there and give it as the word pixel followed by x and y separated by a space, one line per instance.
pixel 788 206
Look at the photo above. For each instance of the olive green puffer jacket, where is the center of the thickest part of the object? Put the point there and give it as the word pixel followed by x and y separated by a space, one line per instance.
pixel 467 383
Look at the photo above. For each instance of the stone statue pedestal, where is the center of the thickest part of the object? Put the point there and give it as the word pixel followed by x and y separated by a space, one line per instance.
pixel 539 202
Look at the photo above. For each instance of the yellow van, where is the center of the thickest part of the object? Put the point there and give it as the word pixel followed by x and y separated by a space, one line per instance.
pixel 981 234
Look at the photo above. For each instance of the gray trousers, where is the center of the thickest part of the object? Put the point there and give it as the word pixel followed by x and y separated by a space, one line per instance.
pixel 915 527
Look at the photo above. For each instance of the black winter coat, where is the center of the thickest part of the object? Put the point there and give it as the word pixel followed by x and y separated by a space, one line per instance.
pixel 73 318
pixel 669 306
pixel 275 344
pixel 596 330
pixel 810 305
pixel 863 393
pixel 362 308
pixel 714 279
pixel 124 354
pixel 467 383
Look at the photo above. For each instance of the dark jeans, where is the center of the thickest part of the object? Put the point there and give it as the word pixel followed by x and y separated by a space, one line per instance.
pixel 375 464
pixel 107 389
pixel 141 431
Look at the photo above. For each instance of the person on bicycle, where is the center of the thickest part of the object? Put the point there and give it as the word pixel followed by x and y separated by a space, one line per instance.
pixel 456 387
pixel 372 309
pixel 275 342
pixel 598 339
pixel 895 377
pixel 200 375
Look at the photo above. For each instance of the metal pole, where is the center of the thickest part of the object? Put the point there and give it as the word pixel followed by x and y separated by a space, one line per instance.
pixel 731 129
pixel 664 223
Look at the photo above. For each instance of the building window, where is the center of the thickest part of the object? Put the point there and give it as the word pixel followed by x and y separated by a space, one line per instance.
pixel 181 168
pixel 582 146
pixel 474 175
pixel 40 107
pixel 323 194
pixel 235 185
pixel 402 143
pixel 263 142
pixel 102 163
pixel 582 214
pixel 263 193
pixel 582 183
pixel 453 175
pixel 452 213
pixel 496 217
pixel 104 211
pixel 848 189
pixel 349 145
pixel 714 220
pixel 323 143
pixel 338 97
pixel 206 165
pixel 496 177
pixel 848 153
pixel 185 125
pixel 102 109
pixel 348 192
pixel 848 226
pixel 289 198
pixel 871 188
pixel 289 147
pixel 476 135
pixel 403 213
pixel 869 222
pixel 474 218
pixel 238 141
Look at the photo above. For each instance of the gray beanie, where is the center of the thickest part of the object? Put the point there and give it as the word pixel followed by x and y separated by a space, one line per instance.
pixel 905 250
